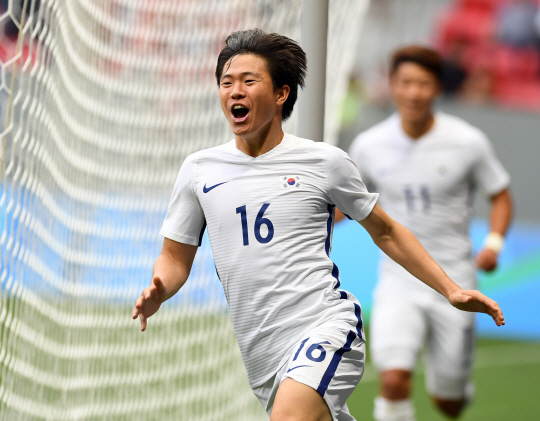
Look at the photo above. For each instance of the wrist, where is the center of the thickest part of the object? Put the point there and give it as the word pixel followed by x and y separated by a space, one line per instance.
pixel 494 242
pixel 452 290
pixel 448 288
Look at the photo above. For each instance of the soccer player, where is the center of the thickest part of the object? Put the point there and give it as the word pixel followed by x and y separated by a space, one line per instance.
pixel 268 199
pixel 426 165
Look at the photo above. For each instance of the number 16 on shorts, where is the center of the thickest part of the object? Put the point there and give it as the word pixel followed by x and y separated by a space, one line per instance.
pixel 326 355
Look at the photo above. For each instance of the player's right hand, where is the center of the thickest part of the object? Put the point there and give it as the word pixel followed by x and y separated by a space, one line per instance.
pixel 149 302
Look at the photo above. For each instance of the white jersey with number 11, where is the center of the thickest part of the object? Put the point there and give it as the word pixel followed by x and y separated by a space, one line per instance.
pixel 427 185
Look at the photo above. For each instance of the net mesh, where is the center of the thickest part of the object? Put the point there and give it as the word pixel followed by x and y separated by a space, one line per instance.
pixel 102 101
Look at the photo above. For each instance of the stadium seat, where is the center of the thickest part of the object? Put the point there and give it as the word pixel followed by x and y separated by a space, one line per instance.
pixel 515 72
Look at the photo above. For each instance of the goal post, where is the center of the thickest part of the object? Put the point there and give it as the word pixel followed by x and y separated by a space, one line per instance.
pixel 314 40
pixel 102 102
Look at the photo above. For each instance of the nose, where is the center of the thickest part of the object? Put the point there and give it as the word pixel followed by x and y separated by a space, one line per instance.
pixel 237 91
pixel 414 92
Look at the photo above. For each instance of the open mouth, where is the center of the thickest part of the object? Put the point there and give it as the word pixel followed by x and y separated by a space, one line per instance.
pixel 239 113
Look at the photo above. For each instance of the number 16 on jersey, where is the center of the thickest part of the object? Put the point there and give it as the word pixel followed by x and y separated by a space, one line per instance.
pixel 259 221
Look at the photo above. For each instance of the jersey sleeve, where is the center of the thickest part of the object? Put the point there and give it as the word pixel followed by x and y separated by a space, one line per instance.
pixel 356 154
pixel 488 172
pixel 185 221
pixel 345 187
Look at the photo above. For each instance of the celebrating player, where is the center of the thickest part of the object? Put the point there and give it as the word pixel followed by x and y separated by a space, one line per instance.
pixel 268 199
pixel 425 166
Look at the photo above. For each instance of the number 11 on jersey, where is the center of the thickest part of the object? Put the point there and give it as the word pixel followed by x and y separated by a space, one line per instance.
pixel 242 210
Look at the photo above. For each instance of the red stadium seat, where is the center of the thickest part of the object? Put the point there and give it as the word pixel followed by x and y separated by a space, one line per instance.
pixel 518 94
pixel 511 64
pixel 515 73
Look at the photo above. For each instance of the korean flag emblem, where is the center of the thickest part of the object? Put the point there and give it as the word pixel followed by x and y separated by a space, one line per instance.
pixel 291 182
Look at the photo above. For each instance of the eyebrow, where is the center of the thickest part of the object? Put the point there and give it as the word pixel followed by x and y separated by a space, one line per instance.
pixel 241 74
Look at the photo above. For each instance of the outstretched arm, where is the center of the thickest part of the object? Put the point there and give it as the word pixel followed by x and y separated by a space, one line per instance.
pixel 500 216
pixel 404 248
pixel 171 271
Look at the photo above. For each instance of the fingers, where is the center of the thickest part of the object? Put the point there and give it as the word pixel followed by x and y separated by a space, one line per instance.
pixel 159 288
pixel 143 322
pixel 496 313
pixel 138 307
pixel 490 307
pixel 473 300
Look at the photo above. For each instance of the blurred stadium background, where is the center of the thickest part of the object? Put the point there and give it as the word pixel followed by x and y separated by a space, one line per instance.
pixel 102 100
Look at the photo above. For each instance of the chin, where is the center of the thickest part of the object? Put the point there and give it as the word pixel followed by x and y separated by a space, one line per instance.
pixel 414 117
pixel 240 131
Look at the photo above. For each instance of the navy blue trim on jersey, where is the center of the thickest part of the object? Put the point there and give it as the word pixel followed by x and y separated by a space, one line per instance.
pixel 358 314
pixel 202 233
pixel 348 217
pixel 335 274
pixel 328 242
pixel 332 367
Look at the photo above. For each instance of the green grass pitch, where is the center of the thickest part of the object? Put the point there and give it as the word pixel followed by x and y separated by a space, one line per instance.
pixel 506 377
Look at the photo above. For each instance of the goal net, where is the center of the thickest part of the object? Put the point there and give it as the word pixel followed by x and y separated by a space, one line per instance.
pixel 101 101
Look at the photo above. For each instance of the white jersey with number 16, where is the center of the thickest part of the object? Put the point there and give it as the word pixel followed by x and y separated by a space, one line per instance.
pixel 270 222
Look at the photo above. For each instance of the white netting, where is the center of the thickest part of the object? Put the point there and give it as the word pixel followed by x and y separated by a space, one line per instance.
pixel 102 100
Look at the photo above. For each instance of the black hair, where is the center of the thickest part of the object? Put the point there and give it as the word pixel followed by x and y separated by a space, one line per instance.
pixel 285 60
pixel 425 57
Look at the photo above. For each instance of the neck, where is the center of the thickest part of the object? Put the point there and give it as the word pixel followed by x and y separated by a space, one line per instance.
pixel 417 128
pixel 264 140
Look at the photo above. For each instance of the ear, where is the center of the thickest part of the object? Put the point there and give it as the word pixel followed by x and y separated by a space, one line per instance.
pixel 282 94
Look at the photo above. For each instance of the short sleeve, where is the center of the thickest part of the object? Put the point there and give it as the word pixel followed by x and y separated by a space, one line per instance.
pixel 345 187
pixel 185 221
pixel 487 171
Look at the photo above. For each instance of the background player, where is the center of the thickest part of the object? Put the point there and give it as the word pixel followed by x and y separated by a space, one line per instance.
pixel 425 166
pixel 268 199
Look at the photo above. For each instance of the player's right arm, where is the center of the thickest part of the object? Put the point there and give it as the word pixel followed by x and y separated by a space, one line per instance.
pixel 171 271
pixel 183 229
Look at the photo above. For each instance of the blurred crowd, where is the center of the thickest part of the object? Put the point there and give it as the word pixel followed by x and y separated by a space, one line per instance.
pixel 492 51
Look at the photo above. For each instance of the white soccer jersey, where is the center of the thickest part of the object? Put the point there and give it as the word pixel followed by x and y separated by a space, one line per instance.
pixel 270 223
pixel 427 185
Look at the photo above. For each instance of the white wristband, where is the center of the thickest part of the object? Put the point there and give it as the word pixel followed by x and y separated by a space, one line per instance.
pixel 494 241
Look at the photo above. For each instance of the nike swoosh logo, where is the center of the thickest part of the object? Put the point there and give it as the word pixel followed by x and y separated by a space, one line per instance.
pixel 298 366
pixel 207 189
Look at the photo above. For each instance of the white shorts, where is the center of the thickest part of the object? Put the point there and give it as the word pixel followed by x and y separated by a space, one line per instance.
pixel 402 323
pixel 329 359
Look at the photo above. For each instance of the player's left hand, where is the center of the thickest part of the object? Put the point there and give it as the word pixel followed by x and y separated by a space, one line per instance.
pixel 486 260
pixel 472 300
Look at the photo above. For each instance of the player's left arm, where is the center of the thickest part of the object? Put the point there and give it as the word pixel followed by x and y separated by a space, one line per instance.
pixel 404 248
pixel 500 217
pixel 339 216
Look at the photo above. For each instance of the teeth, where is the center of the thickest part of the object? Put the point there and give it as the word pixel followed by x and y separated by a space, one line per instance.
pixel 238 107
